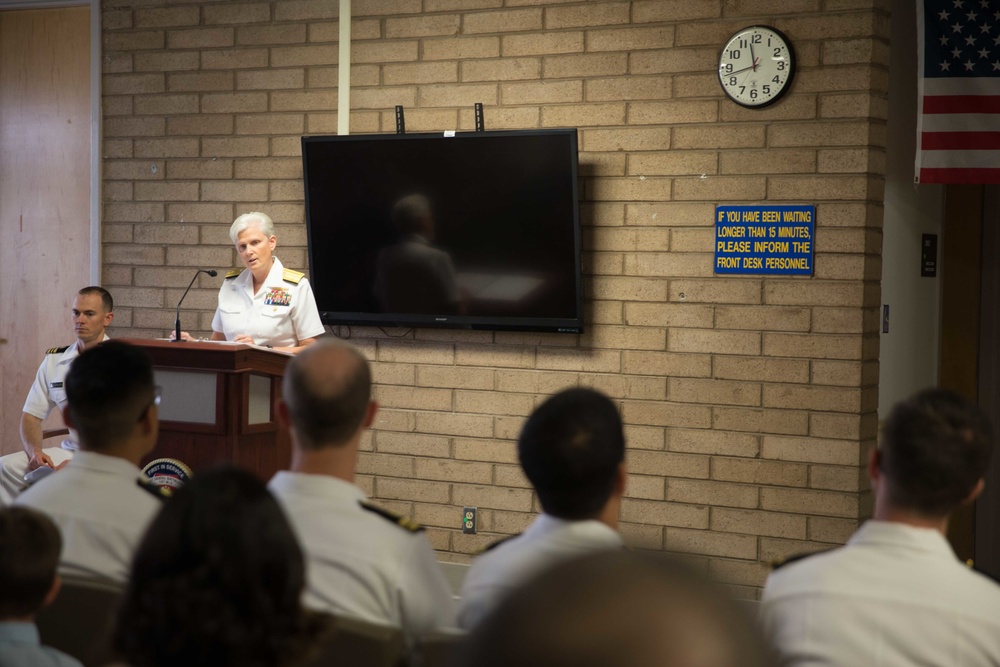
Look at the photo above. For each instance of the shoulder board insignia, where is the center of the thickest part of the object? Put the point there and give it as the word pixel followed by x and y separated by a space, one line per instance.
pixel 161 492
pixel 782 562
pixel 234 273
pixel 402 521
pixel 493 545
pixel 293 277
pixel 56 350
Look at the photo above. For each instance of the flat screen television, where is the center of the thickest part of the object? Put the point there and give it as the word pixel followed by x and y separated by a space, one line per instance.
pixel 475 230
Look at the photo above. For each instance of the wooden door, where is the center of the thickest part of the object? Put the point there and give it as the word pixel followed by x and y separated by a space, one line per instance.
pixel 45 148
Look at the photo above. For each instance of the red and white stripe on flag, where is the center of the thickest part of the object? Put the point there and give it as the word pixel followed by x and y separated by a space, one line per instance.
pixel 958 120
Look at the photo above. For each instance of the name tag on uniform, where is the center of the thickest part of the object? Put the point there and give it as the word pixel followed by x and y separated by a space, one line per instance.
pixel 55 385
pixel 278 296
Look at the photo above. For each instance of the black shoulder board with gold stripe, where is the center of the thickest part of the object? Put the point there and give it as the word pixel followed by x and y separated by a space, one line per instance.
pixel 161 492
pixel 232 274
pixel 56 350
pixel 293 277
pixel 401 521
pixel 493 545
pixel 782 562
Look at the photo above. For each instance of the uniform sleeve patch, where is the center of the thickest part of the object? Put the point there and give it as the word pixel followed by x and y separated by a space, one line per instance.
pixel 56 350
pixel 233 274
pixel 293 277
pixel 403 522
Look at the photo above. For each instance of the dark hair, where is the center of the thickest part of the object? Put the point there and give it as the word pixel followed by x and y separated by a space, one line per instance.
pixel 935 448
pixel 216 580
pixel 327 398
pixel 109 303
pixel 107 389
pixel 570 449
pixel 616 608
pixel 29 555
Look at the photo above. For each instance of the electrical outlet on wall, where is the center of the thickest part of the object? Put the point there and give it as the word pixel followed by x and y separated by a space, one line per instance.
pixel 470 523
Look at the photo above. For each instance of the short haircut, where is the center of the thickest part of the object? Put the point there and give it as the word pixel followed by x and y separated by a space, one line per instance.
pixel 409 213
pixel 107 389
pixel 109 303
pixel 261 221
pixel 29 555
pixel 216 580
pixel 570 449
pixel 935 448
pixel 327 402
pixel 616 608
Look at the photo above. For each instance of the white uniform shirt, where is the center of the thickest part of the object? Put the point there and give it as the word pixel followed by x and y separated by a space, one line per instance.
pixel 547 541
pixel 281 314
pixel 895 595
pixel 47 391
pixel 101 512
pixel 362 564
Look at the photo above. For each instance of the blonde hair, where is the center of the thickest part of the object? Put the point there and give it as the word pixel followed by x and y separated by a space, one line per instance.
pixel 261 221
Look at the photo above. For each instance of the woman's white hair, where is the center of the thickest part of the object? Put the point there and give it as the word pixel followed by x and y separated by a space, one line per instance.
pixel 261 221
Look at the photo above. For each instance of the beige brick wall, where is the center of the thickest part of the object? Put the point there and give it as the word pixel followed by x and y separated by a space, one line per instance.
pixel 749 401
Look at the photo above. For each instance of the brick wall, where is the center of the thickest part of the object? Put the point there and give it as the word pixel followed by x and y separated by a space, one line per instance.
pixel 750 402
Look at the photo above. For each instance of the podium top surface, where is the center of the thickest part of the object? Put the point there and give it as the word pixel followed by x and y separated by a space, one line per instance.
pixel 212 356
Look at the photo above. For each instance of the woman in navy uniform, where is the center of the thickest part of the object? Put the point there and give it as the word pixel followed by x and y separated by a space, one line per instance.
pixel 265 303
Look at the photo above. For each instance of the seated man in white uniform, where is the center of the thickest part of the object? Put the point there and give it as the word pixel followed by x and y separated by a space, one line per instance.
pixel 93 310
pixel 362 561
pixel 572 450
pixel 97 500
pixel 895 594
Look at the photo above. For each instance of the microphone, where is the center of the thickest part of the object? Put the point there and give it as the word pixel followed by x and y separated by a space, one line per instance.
pixel 177 317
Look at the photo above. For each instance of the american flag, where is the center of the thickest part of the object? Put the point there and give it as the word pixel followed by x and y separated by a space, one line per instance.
pixel 958 127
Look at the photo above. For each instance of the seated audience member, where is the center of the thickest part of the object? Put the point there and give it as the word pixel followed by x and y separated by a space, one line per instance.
pixel 217 580
pixel 92 312
pixel 572 450
pixel 615 609
pixel 363 561
pixel 29 555
pixel 96 500
pixel 895 594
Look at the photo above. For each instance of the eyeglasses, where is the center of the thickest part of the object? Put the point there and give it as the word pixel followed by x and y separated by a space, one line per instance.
pixel 157 396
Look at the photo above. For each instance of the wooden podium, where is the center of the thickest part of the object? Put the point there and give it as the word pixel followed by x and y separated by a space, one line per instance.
pixel 218 404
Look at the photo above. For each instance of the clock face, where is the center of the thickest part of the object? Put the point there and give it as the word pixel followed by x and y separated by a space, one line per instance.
pixel 756 66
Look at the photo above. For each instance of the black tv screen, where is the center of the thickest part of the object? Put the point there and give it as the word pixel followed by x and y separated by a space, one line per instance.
pixel 474 230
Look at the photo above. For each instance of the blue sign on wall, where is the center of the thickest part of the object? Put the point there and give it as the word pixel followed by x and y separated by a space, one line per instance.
pixel 764 239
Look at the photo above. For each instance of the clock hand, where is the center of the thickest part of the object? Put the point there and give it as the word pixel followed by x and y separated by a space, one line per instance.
pixel 753 57
pixel 739 71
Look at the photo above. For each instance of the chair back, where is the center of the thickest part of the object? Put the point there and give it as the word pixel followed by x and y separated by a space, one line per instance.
pixel 351 642
pixel 81 620
pixel 440 648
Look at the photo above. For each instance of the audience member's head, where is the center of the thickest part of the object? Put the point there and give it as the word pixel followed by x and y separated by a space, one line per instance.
pixel 616 609
pixel 935 448
pixel 216 580
pixel 327 394
pixel 572 450
pixel 29 554
pixel 111 397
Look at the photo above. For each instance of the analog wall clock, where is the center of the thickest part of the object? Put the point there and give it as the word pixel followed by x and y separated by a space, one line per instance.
pixel 756 66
